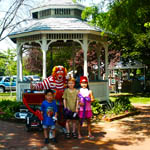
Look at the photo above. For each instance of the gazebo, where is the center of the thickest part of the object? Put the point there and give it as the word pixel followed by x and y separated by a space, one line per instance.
pixel 55 22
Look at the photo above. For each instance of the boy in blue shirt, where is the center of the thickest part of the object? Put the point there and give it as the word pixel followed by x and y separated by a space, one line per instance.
pixel 49 112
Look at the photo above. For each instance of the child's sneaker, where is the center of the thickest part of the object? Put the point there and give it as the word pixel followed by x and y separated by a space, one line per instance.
pixel 46 141
pixel 54 140
pixel 68 136
pixel 74 135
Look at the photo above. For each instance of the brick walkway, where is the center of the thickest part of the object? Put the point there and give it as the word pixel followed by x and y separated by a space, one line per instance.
pixel 132 133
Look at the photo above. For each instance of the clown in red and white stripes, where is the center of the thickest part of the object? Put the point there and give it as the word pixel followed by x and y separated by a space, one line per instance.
pixel 57 81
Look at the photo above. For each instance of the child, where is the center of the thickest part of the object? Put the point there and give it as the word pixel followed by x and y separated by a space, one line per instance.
pixel 85 112
pixel 49 112
pixel 70 107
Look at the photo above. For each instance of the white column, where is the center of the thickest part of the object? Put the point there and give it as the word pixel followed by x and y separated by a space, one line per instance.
pixel 106 62
pixel 44 50
pixel 85 49
pixel 106 69
pixel 20 62
pixel 19 70
pixel 99 63
pixel 73 55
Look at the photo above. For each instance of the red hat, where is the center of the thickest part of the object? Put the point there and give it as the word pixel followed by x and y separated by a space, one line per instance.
pixel 83 79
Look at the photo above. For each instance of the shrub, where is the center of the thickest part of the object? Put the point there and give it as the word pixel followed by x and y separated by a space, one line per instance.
pixel 121 104
pixel 97 107
pixel 9 108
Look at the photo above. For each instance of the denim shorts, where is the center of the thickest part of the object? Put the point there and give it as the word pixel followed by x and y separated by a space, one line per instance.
pixel 51 127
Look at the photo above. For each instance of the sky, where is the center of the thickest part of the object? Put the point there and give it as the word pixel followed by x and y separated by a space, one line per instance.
pixel 7 43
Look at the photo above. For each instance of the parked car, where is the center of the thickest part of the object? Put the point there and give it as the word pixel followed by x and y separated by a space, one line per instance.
pixel 9 84
pixel 33 77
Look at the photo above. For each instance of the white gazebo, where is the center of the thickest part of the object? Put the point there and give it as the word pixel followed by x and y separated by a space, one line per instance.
pixel 60 21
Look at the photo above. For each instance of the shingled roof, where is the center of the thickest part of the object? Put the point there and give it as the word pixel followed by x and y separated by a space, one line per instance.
pixel 57 24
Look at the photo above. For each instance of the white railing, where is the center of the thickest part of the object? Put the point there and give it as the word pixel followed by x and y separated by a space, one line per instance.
pixel 100 90
pixel 21 86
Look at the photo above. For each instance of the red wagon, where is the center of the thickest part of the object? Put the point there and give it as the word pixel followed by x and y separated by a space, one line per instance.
pixel 33 102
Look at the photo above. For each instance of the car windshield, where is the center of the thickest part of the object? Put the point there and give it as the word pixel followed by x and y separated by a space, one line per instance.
pixel 26 79
pixel 1 78
pixel 36 77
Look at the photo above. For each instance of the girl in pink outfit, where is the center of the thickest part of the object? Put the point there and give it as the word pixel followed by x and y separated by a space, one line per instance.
pixel 85 111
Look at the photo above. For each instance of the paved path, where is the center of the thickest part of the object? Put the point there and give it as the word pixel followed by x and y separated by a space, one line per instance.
pixel 132 133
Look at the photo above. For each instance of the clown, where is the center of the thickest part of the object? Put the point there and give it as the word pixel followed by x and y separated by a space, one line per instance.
pixel 57 81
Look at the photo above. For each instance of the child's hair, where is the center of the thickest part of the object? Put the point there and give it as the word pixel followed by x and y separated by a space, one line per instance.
pixel 49 91
pixel 72 79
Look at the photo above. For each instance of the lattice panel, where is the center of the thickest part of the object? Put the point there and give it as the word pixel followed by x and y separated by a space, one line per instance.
pixel 64 36
pixel 30 38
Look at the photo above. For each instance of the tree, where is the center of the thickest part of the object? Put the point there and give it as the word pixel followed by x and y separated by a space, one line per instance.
pixel 2 62
pixel 128 23
pixel 33 61
pixel 13 13
pixel 10 62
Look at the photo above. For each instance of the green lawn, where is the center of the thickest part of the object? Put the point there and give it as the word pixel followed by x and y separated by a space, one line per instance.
pixel 134 98
pixel 8 96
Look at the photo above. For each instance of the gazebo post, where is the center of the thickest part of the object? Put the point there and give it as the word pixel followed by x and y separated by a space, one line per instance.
pixel 44 47
pixel 106 69
pixel 99 62
pixel 19 68
pixel 106 61
pixel 73 50
pixel 85 49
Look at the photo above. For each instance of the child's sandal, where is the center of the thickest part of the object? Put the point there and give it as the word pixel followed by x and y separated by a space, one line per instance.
pixel 74 135
pixel 91 137
pixel 67 135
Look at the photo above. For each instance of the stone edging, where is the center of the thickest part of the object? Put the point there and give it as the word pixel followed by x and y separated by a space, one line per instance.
pixel 121 116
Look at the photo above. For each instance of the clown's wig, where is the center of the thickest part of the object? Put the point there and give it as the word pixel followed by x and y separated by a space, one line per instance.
pixel 59 68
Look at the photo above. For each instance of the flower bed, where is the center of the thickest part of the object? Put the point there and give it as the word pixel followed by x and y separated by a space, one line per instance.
pixel 120 108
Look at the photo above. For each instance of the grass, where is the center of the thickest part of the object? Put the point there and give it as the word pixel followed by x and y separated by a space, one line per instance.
pixel 8 96
pixel 134 98
pixel 142 98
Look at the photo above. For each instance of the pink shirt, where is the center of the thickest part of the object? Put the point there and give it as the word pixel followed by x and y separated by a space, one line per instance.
pixel 85 93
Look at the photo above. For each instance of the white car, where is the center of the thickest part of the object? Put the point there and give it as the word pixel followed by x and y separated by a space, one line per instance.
pixel 33 77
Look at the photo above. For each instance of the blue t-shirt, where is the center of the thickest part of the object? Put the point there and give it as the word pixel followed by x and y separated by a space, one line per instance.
pixel 49 110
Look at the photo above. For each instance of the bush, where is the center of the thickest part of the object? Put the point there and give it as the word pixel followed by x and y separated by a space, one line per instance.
pixel 9 108
pixel 121 105
pixel 97 108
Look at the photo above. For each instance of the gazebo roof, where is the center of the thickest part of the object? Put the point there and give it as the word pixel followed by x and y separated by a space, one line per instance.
pixel 58 3
pixel 56 24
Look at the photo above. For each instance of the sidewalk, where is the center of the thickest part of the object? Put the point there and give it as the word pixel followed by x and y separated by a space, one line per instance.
pixel 132 133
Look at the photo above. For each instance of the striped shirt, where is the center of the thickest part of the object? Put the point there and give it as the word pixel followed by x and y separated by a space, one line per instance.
pixel 50 83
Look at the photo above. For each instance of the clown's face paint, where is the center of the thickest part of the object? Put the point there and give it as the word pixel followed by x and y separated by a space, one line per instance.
pixel 60 75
